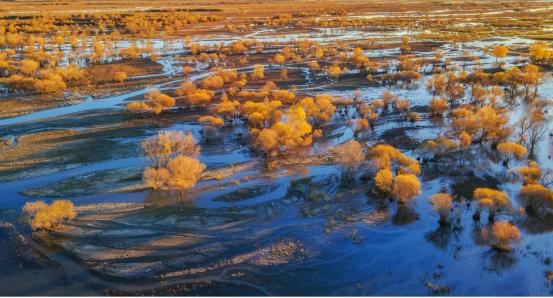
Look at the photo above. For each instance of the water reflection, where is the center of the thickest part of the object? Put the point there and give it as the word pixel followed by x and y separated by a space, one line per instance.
pixel 405 215
pixel 443 236
pixel 498 261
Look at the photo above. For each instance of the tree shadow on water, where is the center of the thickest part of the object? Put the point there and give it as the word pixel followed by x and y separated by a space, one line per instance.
pixel 443 236
pixel 497 260
pixel 405 215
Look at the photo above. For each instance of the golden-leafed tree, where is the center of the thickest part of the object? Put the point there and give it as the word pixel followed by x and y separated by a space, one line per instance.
pixel 438 106
pixel 384 180
pixel 406 188
pixel 154 102
pixel 184 172
pixel 168 144
pixel 442 204
pixel 156 178
pixel 349 156
pixel 258 72
pixel 493 200
pixel 49 217
pixel 504 235
pixel 509 151
pixel 120 76
pixel 537 199
pixel 385 156
pixel 499 52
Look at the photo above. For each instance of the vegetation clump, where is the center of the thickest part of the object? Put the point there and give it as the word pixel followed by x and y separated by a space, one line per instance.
pixel 44 216
pixel 504 234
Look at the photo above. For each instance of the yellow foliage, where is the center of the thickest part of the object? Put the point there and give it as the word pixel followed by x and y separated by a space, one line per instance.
pixel 120 76
pixel 284 96
pixel 441 203
pixel 504 234
pixel 314 65
pixel 167 144
pixel 156 178
pixel 31 208
pixel 186 88
pixel 386 156
pixel 464 140
pixel 438 106
pixel 540 52
pixel 155 102
pixel 267 140
pixel 487 124
pixel 52 216
pixel 258 72
pixel 199 97
pixel 321 108
pixel 213 82
pixel 384 180
pixel 500 51
pixel 211 120
pixel 279 58
pixel 492 199
pixel 349 155
pixel 531 173
pixel 184 172
pixel 334 71
pixel 406 187
pixel 28 67
pixel 227 108
pixel 510 150
pixel 537 198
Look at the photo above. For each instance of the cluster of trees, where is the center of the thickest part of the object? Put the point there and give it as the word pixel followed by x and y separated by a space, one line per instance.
pixel 154 102
pixel 396 174
pixel 43 216
pixel 28 76
pixel 291 133
pixel 46 54
pixel 534 195
pixel 494 201
pixel 541 53
pixel 173 155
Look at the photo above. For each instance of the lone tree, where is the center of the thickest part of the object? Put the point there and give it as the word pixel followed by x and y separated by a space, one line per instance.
pixel 499 52
pixel 49 217
pixel 509 151
pixel 441 203
pixel 504 234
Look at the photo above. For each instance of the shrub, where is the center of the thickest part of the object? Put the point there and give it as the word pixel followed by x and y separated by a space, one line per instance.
pixel 120 76
pixel 349 155
pixel 384 180
pixel 49 217
pixel 493 200
pixel 184 172
pixel 503 235
pixel 537 199
pixel 406 187
pixel 441 203
pixel 156 178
